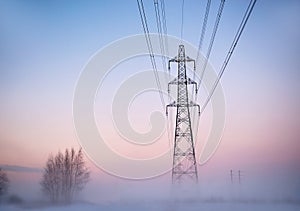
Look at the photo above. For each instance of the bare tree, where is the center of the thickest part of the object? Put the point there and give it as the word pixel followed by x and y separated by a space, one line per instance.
pixel 64 176
pixel 3 182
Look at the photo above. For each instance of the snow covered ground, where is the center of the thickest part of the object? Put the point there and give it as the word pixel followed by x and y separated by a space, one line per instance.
pixel 279 193
pixel 165 206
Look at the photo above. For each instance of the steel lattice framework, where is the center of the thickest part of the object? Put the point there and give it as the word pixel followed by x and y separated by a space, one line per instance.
pixel 184 161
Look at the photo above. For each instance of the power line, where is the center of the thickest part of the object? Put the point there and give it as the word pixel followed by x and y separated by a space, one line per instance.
pixel 166 42
pixel 161 23
pixel 212 39
pixel 182 9
pixel 165 29
pixel 150 48
pixel 203 29
pixel 160 35
pixel 230 52
pixel 162 30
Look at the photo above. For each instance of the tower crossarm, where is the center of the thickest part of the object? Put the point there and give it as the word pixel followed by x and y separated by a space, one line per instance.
pixel 173 104
pixel 186 59
pixel 188 81
pixel 190 104
pixel 175 59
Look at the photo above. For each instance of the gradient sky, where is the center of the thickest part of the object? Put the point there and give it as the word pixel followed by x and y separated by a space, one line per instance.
pixel 45 44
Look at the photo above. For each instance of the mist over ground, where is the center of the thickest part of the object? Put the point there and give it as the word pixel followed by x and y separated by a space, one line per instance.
pixel 260 190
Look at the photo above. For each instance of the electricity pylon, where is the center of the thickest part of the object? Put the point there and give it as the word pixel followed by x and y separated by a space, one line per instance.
pixel 184 161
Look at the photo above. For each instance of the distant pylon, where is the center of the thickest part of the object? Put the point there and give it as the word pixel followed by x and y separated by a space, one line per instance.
pixel 184 161
pixel 240 176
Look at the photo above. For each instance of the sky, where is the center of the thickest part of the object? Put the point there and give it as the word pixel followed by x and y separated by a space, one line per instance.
pixel 44 46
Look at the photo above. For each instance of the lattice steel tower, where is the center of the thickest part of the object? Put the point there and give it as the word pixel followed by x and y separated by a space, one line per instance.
pixel 184 161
